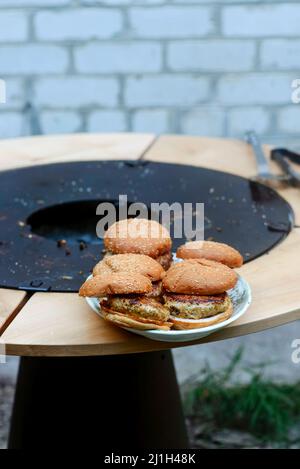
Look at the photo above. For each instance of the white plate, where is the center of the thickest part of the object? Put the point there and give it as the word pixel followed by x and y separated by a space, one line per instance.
pixel 241 299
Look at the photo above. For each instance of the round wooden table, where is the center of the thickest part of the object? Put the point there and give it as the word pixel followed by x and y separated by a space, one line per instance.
pixel 52 325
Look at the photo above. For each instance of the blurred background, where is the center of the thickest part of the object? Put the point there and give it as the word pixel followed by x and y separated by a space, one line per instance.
pixel 199 67
pixel 202 67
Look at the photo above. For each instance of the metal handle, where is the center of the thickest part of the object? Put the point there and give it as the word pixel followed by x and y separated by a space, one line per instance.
pixel 278 156
pixel 261 161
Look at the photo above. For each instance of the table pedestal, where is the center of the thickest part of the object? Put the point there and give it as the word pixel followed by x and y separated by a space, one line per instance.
pixel 112 402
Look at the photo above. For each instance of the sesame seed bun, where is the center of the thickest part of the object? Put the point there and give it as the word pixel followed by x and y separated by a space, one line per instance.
pixel 199 277
pixel 116 284
pixel 185 324
pixel 211 250
pixel 139 236
pixel 130 263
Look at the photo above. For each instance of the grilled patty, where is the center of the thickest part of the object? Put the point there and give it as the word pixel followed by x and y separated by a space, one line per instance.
pixel 196 306
pixel 156 291
pixel 135 305
pixel 165 260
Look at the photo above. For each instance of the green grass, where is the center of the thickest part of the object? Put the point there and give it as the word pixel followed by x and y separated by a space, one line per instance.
pixel 265 409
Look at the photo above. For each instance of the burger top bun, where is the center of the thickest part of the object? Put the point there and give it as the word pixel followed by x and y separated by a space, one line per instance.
pixel 211 250
pixel 130 263
pixel 116 284
pixel 199 277
pixel 139 236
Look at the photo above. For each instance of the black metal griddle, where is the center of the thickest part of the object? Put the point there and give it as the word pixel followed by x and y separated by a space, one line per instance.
pixel 42 205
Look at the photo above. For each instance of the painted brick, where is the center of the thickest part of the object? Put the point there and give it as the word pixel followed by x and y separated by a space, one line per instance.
pixel 166 90
pixel 211 55
pixel 280 54
pixel 155 120
pixel 289 119
pixel 13 26
pixel 207 121
pixel 77 24
pixel 125 57
pixel 58 122
pixel 34 3
pixel 255 89
pixel 261 20
pixel 33 58
pixel 107 121
pixel 122 2
pixel 15 98
pixel 168 21
pixel 75 92
pixel 11 124
pixel 250 118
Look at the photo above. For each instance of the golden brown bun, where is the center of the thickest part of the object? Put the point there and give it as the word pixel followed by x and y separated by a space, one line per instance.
pixel 211 250
pixel 115 284
pixel 185 324
pixel 199 277
pixel 139 236
pixel 124 320
pixel 130 263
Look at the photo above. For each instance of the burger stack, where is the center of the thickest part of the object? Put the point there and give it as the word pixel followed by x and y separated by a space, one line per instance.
pixel 139 288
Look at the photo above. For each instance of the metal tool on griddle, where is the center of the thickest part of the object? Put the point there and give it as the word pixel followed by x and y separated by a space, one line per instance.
pixel 281 156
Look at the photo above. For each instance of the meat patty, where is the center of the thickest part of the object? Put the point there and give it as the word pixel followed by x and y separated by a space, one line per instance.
pixel 135 305
pixel 156 290
pixel 196 306
pixel 165 260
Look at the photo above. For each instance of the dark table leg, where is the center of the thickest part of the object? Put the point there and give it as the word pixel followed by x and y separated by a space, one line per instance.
pixel 113 402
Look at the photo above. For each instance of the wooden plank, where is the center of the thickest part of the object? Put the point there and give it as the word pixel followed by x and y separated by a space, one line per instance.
pixel 58 324
pixel 62 148
pixel 231 156
pixel 62 324
pixel 10 302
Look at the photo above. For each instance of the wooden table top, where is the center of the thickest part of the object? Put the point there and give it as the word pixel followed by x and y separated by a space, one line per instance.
pixel 61 324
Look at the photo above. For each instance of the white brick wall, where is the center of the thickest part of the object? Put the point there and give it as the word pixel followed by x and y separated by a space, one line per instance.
pixel 78 24
pixel 59 122
pixel 107 121
pixel 20 30
pixel 166 21
pixel 205 121
pixel 15 94
pixel 280 54
pixel 31 59
pixel 155 120
pixel 165 90
pixel 211 55
pixel 214 67
pixel 74 92
pixel 256 88
pixel 121 57
pixel 289 120
pixel 34 3
pixel 11 124
pixel 242 119
pixel 261 20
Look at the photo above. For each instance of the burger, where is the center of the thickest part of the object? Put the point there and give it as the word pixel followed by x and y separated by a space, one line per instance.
pixel 133 263
pixel 139 236
pixel 126 296
pixel 196 293
pixel 210 250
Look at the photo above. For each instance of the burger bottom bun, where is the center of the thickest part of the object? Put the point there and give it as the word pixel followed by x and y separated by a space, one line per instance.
pixel 185 324
pixel 123 320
